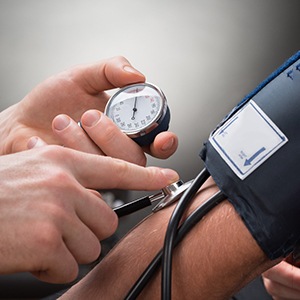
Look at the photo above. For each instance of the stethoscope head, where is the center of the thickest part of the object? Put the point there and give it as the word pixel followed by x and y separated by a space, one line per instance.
pixel 172 193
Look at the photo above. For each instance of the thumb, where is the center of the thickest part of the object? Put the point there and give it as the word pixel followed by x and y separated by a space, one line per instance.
pixel 107 74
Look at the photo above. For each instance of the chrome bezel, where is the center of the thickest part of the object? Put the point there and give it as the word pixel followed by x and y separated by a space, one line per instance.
pixel 154 122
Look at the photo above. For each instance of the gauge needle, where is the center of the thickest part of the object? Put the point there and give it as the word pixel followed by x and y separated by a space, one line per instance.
pixel 134 109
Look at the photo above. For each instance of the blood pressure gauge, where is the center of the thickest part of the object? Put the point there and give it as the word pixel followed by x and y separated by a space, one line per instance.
pixel 140 111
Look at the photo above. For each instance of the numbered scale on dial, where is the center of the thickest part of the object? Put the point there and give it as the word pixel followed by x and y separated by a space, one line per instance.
pixel 140 111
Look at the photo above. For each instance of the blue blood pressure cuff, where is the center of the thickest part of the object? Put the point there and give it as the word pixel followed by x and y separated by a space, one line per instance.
pixel 254 158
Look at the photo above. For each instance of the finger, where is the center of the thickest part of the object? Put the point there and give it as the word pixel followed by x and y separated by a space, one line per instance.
pixel 54 270
pixel 80 240
pixel 94 221
pixel 107 74
pixel 106 172
pixel 96 193
pixel 110 139
pixel 35 142
pixel 280 291
pixel 165 144
pixel 284 273
pixel 103 172
pixel 73 136
pixel 95 213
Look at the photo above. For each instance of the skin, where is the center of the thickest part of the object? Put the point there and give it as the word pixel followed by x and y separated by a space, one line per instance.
pixel 282 282
pixel 53 108
pixel 51 112
pixel 206 265
pixel 49 209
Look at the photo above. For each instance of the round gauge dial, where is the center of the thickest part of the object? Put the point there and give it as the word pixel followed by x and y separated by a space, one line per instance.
pixel 139 109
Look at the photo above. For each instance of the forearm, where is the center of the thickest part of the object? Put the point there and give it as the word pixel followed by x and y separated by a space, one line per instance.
pixel 216 259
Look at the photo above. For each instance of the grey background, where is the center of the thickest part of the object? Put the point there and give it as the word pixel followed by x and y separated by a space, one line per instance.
pixel 204 54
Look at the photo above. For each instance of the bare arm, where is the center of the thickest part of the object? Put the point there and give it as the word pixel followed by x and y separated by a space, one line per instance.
pixel 215 260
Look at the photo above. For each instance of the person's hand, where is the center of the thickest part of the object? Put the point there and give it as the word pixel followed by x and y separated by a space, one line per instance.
pixel 51 216
pixel 64 98
pixel 99 135
pixel 282 281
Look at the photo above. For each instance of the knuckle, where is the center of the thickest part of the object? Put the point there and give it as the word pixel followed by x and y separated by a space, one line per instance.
pixel 119 59
pixel 96 250
pixel 61 177
pixel 71 275
pixel 121 169
pixel 112 225
pixel 53 152
pixel 56 174
pixel 109 132
pixel 153 176
pixel 58 182
pixel 48 239
pixel 93 252
pixel 57 275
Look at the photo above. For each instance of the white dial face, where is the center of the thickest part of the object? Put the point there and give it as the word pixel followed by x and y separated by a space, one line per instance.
pixel 135 108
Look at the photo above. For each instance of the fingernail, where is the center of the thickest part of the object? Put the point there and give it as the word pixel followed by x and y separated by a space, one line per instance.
pixel 170 174
pixel 91 118
pixel 34 142
pixel 130 69
pixel 168 145
pixel 61 122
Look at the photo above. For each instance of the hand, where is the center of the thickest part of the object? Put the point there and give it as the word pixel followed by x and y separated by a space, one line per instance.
pixel 102 136
pixel 282 281
pixel 70 94
pixel 51 217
